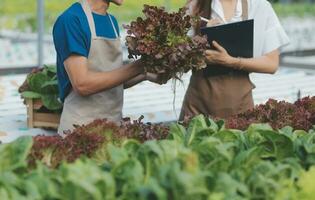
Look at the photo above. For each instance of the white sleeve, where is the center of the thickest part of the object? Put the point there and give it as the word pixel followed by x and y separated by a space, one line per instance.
pixel 274 35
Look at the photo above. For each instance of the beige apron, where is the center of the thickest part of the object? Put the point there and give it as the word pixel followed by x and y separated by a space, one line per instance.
pixel 105 55
pixel 222 92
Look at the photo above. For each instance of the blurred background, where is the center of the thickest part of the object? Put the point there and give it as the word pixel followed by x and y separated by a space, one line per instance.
pixel 26 43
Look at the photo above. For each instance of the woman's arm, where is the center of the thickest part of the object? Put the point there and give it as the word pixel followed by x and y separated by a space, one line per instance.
pixel 267 63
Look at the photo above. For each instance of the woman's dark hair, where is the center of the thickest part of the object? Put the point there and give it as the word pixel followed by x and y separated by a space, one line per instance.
pixel 202 8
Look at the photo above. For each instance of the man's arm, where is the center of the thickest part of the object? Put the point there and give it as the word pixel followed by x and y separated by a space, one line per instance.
pixel 154 78
pixel 134 81
pixel 86 82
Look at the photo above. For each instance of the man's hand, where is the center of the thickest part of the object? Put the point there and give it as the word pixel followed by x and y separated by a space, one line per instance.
pixel 219 56
pixel 158 78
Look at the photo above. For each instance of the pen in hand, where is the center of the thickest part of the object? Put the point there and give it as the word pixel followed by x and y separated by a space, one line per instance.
pixel 211 22
pixel 204 19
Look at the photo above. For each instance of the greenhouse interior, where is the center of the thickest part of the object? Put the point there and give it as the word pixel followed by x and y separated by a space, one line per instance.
pixel 157 99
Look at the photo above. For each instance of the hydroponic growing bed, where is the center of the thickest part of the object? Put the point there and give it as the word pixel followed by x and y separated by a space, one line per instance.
pixel 198 159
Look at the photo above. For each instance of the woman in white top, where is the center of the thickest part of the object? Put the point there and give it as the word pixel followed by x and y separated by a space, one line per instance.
pixel 224 88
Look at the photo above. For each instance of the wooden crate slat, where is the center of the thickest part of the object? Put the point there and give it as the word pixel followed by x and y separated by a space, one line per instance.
pixel 37 119
pixel 38 124
pixel 29 107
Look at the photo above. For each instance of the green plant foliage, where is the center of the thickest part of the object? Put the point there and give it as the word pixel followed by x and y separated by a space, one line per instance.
pixel 43 84
pixel 203 161
pixel 21 14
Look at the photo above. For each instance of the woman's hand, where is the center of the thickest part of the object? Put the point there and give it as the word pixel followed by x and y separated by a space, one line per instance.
pixel 213 22
pixel 219 56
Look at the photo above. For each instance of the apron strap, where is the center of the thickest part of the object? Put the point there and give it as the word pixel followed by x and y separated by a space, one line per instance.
pixel 114 27
pixel 244 9
pixel 88 13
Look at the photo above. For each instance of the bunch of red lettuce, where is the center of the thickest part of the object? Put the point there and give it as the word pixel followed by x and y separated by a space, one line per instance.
pixel 300 115
pixel 127 129
pixel 52 150
pixel 162 41
pixel 308 103
pixel 142 131
pixel 88 140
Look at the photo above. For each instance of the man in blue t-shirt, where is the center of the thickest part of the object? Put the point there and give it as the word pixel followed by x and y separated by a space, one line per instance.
pixel 90 72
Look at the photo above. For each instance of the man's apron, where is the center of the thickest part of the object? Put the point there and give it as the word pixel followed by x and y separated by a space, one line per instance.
pixel 105 55
pixel 219 91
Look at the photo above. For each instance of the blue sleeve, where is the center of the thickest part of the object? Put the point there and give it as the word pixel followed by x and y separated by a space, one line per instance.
pixel 69 37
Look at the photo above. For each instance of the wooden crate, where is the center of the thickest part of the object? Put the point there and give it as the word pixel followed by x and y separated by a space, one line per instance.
pixel 36 119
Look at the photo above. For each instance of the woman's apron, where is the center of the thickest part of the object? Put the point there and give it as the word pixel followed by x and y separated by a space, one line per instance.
pixel 219 91
pixel 105 55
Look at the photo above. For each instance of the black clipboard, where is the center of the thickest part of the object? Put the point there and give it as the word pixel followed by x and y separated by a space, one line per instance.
pixel 237 38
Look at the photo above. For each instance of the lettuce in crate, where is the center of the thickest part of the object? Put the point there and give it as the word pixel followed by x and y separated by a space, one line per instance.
pixel 42 84
pixel 162 41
